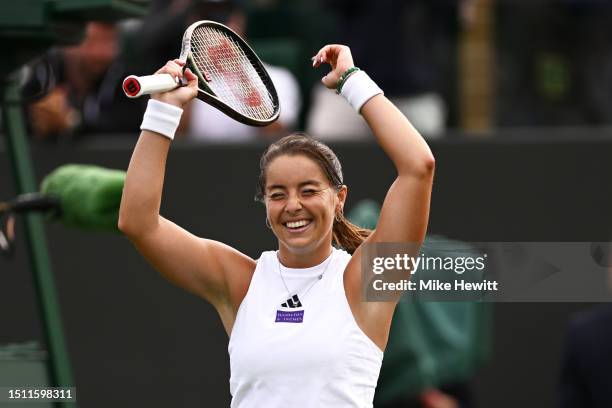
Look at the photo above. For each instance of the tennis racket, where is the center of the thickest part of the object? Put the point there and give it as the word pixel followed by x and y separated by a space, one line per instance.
pixel 230 76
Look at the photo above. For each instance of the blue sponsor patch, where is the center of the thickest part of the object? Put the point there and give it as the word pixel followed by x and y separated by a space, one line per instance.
pixel 296 316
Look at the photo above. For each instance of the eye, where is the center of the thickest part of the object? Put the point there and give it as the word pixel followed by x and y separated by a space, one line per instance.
pixel 309 192
pixel 276 196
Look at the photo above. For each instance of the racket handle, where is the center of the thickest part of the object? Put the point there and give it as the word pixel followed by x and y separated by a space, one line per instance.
pixel 135 86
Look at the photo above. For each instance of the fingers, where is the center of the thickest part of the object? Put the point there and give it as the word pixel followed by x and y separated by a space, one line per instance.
pixel 174 68
pixel 317 60
pixel 329 54
pixel 321 57
pixel 192 81
pixel 340 59
pixel 190 76
pixel 325 55
pixel 183 76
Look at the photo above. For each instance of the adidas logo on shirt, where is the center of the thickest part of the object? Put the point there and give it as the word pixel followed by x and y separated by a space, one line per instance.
pixel 292 302
pixel 290 316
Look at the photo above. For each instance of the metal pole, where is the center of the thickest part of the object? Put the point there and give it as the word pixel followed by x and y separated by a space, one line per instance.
pixel 58 364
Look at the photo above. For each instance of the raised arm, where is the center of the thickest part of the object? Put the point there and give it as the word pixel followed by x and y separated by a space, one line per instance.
pixel 198 265
pixel 405 211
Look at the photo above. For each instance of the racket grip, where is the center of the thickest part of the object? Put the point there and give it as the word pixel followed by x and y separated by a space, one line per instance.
pixel 135 86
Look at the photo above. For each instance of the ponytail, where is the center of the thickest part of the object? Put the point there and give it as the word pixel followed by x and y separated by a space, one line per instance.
pixel 348 235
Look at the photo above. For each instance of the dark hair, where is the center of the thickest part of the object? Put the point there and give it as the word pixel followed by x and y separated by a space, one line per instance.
pixel 345 234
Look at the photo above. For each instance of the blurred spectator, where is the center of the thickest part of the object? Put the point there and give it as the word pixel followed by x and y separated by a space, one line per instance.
pixel 79 72
pixel 408 47
pixel 156 39
pixel 586 369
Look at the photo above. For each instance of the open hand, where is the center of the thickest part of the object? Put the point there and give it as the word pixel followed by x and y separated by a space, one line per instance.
pixel 340 59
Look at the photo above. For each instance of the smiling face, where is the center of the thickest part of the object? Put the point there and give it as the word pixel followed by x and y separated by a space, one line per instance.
pixel 301 204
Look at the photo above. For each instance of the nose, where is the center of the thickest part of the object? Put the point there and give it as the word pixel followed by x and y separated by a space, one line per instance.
pixel 293 203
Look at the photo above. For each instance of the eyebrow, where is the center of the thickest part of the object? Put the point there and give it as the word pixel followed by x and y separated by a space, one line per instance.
pixel 302 184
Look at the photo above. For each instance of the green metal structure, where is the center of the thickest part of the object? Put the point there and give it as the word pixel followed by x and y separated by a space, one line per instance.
pixel 27 29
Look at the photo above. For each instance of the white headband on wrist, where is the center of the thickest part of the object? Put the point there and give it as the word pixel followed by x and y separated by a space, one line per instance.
pixel 161 118
pixel 358 89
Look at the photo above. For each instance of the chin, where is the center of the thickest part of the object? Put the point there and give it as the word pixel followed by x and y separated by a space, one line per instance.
pixel 302 245
pixel 298 246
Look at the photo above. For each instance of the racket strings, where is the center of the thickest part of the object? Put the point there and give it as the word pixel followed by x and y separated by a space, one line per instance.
pixel 233 77
pixel 244 80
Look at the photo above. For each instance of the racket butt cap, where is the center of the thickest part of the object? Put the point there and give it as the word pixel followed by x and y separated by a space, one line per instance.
pixel 131 87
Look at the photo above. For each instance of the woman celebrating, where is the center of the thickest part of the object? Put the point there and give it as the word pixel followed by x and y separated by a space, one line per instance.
pixel 299 333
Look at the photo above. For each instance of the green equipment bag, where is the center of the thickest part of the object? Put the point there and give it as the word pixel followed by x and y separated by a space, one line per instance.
pixel 90 195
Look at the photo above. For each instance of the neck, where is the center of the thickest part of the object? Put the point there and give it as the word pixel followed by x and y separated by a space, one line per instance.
pixel 293 259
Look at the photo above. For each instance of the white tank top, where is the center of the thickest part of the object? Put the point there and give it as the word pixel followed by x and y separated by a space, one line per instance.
pixel 307 354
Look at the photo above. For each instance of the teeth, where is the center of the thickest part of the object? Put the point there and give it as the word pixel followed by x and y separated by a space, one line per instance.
pixel 297 224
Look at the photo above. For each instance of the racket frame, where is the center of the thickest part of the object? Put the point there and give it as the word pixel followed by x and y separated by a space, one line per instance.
pixel 164 82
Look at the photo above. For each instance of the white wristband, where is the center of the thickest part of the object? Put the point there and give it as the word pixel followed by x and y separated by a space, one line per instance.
pixel 161 118
pixel 358 89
